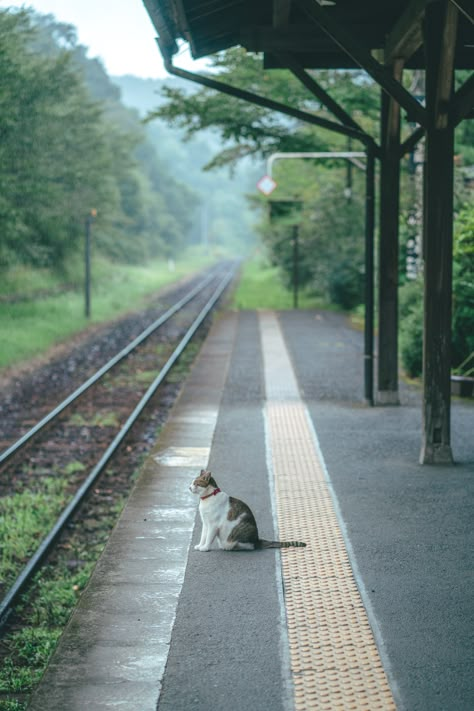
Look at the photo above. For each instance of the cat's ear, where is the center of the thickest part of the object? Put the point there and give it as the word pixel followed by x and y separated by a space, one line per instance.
pixel 207 475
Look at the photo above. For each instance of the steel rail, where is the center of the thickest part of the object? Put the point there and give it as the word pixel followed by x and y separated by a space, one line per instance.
pixel 45 545
pixel 7 453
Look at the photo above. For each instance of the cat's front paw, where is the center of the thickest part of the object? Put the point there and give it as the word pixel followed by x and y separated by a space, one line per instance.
pixel 197 547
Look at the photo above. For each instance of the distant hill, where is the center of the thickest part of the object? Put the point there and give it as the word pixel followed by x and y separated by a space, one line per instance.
pixel 144 94
pixel 225 216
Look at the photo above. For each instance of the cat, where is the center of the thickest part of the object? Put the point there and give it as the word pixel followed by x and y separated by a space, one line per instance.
pixel 228 520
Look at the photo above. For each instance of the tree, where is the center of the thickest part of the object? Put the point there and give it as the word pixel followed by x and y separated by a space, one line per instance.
pixel 248 129
pixel 53 152
pixel 463 286
pixel 68 145
pixel 331 229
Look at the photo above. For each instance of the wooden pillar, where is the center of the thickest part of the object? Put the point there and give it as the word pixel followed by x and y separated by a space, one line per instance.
pixel 387 392
pixel 440 32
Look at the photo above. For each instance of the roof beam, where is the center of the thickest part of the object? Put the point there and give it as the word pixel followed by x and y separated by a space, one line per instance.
pixel 466 7
pixel 310 83
pixel 294 38
pixel 281 12
pixel 440 44
pixel 446 79
pixel 461 105
pixel 167 42
pixel 407 34
pixel 364 59
pixel 265 103
pixel 464 101
pixel 409 144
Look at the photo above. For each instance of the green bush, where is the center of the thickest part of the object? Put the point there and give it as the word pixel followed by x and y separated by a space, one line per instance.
pixel 463 287
pixel 346 285
pixel 411 327
pixel 411 303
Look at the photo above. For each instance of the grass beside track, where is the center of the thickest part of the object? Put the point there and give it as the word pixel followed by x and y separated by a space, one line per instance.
pixel 261 287
pixel 53 594
pixel 49 601
pixel 36 314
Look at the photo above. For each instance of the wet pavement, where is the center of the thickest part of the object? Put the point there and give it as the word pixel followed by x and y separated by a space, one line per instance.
pixel 164 626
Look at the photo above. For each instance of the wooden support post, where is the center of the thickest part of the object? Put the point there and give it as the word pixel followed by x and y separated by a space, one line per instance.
pixel 387 392
pixel 440 29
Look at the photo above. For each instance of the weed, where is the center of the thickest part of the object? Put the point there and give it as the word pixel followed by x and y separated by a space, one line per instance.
pixel 77 420
pixel 74 467
pixel 12 705
pixel 24 517
pixel 33 645
pixel 47 605
pixel 98 419
pixel 182 366
pixel 145 376
pixel 56 597
pixel 105 419
pixel 261 287
pixel 14 679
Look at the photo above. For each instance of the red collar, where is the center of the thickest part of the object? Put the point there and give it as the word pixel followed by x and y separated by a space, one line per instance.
pixel 216 491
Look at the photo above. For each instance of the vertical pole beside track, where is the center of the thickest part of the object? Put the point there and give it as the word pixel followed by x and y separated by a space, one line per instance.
pixel 87 263
pixel 296 276
pixel 369 277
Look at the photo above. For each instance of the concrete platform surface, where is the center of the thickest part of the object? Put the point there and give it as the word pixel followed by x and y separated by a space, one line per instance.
pixel 376 612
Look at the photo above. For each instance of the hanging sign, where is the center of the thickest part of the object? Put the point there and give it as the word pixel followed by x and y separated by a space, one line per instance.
pixel 266 185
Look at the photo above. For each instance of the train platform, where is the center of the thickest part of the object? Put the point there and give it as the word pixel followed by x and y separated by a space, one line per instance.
pixel 375 613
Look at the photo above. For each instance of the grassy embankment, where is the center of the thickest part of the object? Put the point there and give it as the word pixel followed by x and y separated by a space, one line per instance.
pixel 261 287
pixel 30 326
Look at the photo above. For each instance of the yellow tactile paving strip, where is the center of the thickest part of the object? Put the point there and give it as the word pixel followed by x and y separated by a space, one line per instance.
pixel 335 663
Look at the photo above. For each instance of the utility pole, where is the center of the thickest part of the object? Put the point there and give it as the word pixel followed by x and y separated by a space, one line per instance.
pixel 87 262
pixel 295 266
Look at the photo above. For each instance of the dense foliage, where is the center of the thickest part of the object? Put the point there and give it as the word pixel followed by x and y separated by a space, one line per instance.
pixel 67 146
pixel 331 236
pixel 253 130
pixel 331 221
pixel 463 287
pixel 411 303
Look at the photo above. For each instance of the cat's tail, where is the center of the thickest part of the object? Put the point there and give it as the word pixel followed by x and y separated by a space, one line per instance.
pixel 262 543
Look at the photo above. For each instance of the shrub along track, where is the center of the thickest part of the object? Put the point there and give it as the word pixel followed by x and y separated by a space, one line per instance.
pixel 36 484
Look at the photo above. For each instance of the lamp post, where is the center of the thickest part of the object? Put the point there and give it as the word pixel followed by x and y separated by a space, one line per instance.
pixel 87 262
pixel 296 276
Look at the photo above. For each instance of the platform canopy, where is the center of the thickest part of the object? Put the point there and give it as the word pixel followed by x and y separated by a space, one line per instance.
pixel 387 28
pixel 382 37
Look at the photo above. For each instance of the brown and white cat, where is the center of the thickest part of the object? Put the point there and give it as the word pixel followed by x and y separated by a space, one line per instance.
pixel 228 520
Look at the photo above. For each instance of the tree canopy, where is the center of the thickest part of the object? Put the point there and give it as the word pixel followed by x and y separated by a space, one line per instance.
pixel 67 146
pixel 331 219
pixel 253 130
pixel 331 226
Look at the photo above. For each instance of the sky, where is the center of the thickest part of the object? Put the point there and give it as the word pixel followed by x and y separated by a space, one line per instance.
pixel 119 32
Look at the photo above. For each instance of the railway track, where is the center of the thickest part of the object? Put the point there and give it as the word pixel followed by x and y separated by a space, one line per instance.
pixel 80 436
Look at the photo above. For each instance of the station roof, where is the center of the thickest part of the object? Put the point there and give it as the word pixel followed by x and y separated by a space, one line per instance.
pixel 387 29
